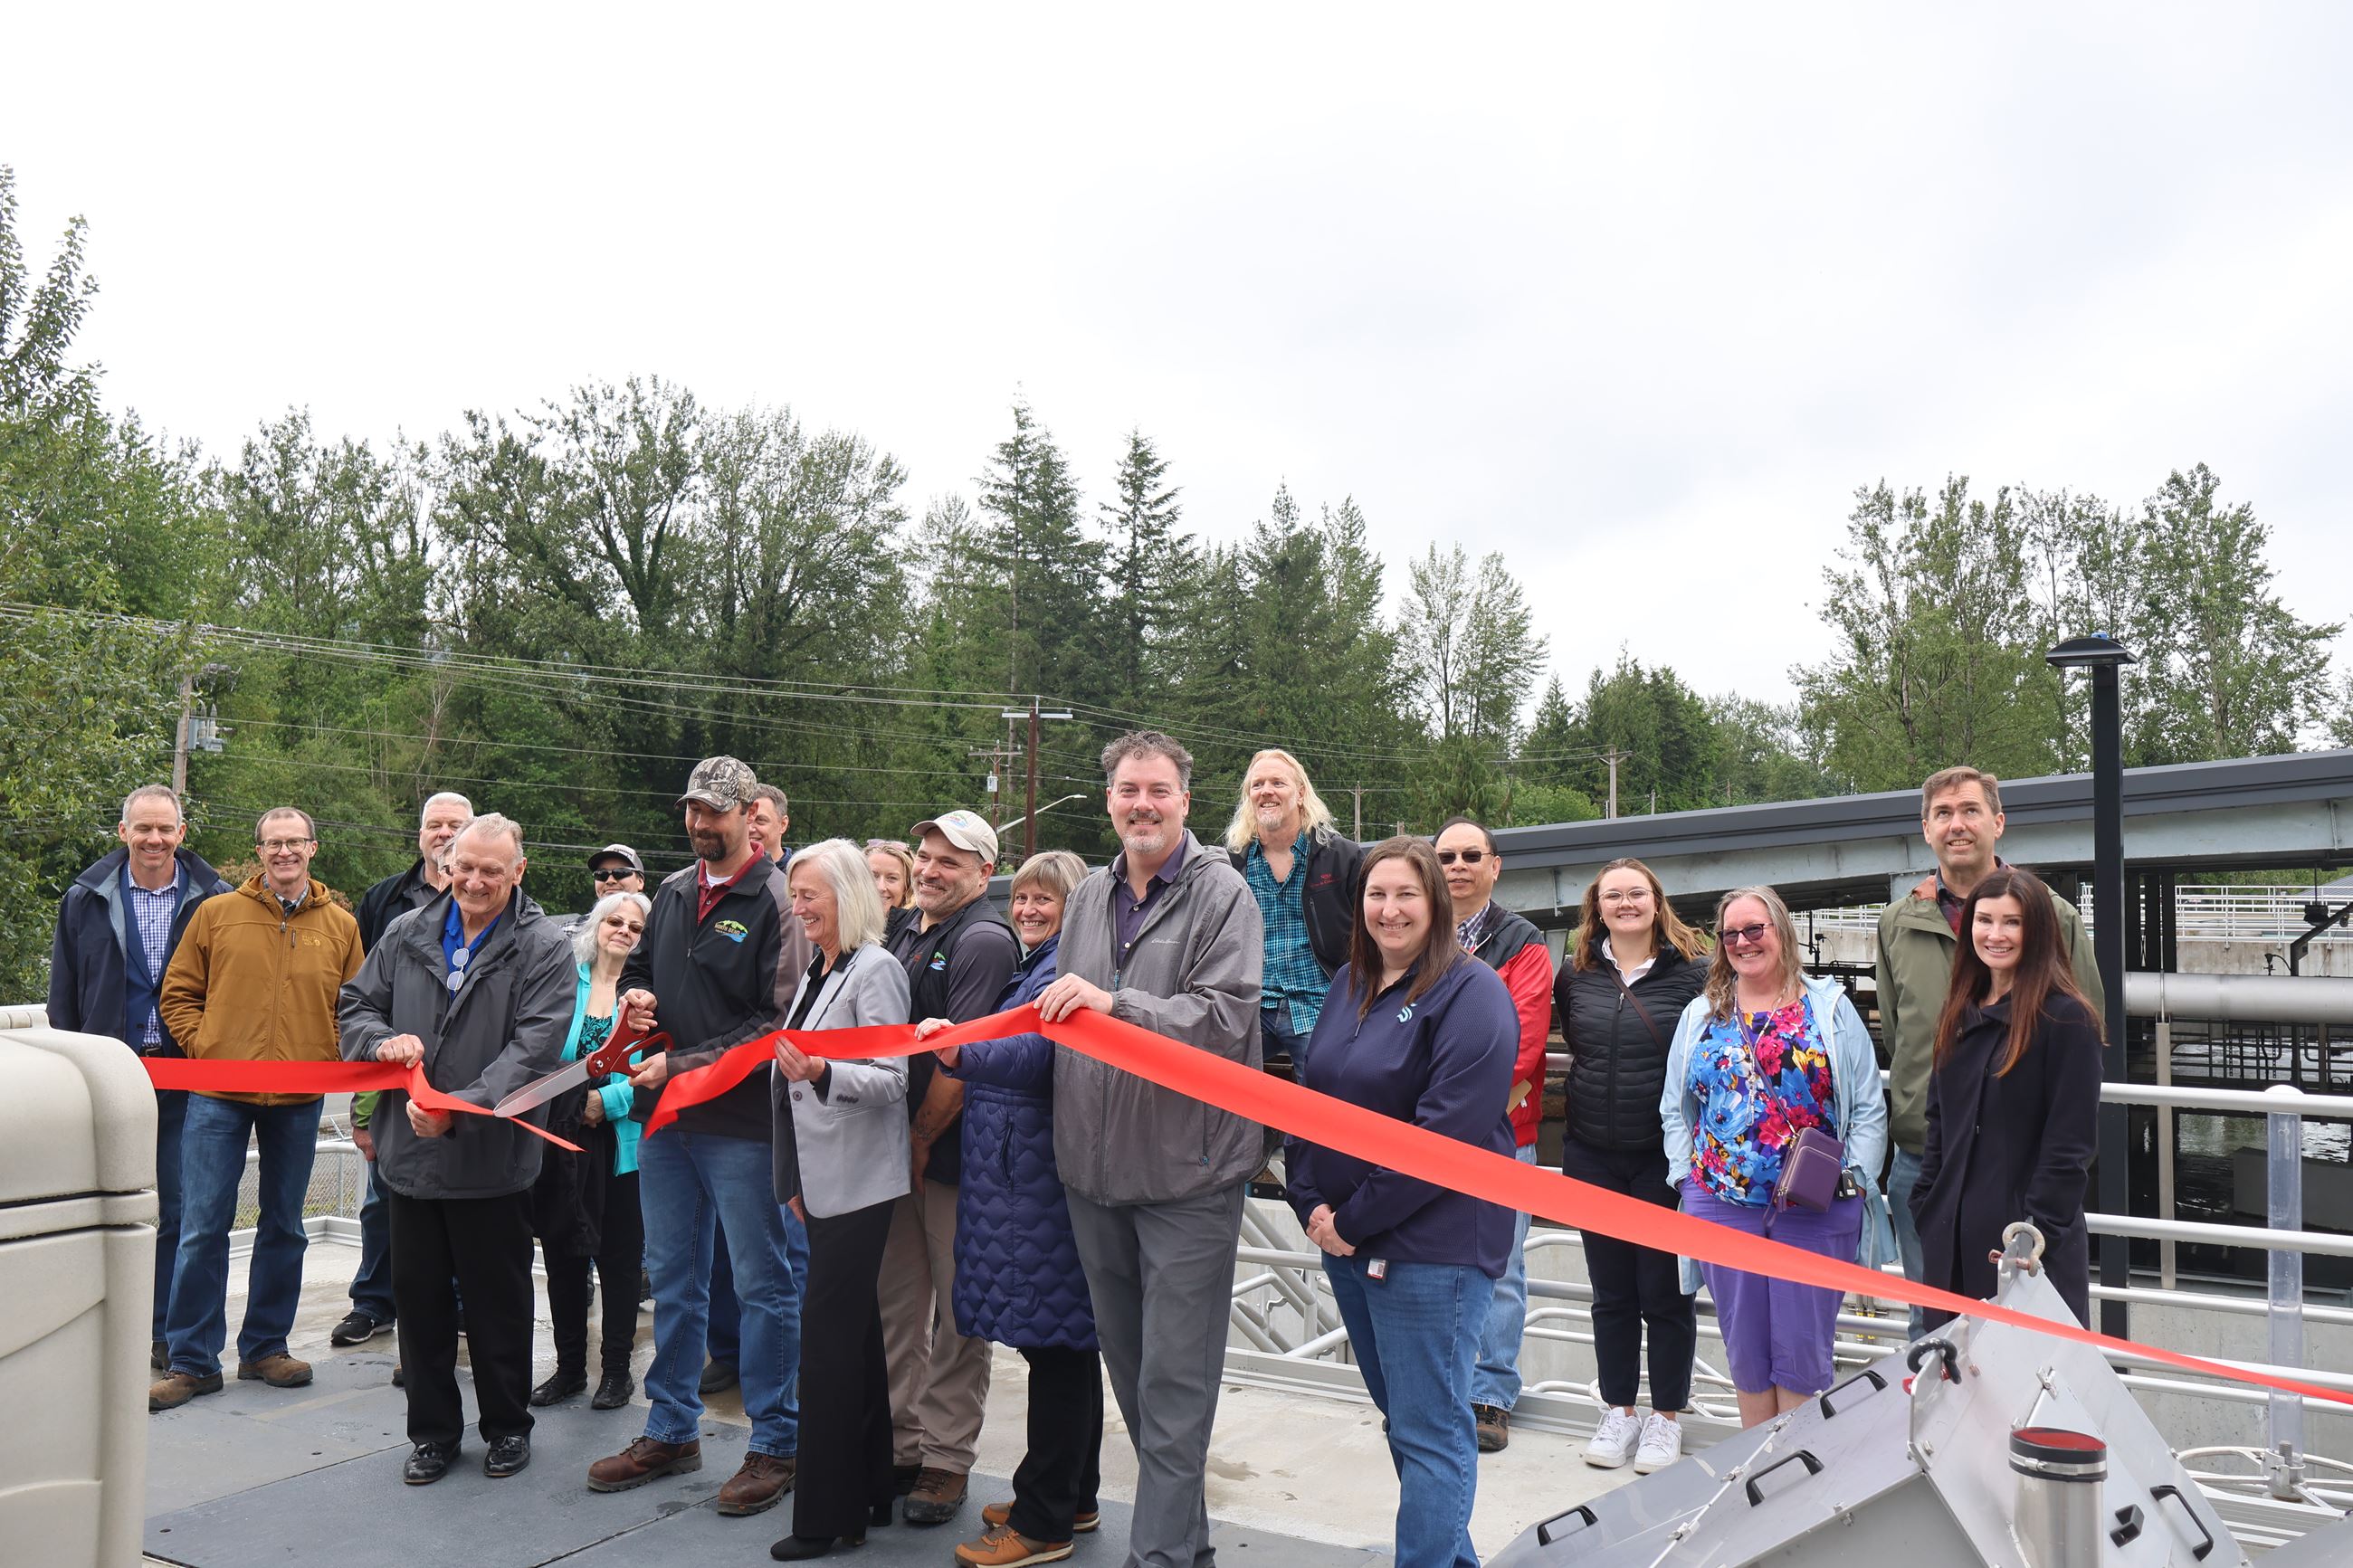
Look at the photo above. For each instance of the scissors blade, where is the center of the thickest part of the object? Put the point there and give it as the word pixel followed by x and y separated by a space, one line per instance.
pixel 538 1092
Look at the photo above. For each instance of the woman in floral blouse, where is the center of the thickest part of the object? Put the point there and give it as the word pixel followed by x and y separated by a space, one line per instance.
pixel 1760 1056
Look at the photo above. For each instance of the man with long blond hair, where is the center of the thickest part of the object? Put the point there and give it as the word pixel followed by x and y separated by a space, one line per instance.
pixel 1302 871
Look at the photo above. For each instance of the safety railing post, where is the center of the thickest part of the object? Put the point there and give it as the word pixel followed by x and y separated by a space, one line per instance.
pixel 2284 1172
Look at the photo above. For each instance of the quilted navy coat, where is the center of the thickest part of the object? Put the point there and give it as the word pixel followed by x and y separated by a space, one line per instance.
pixel 1017 1279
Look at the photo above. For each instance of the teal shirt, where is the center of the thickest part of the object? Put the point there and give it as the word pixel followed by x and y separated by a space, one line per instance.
pixel 586 1035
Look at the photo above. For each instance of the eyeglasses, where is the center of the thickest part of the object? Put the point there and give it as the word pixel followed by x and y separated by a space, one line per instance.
pixel 1633 896
pixel 1751 936
pixel 1468 857
pixel 279 846
pixel 611 873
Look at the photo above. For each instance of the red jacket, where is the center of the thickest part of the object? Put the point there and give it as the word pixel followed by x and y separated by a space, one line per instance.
pixel 1516 950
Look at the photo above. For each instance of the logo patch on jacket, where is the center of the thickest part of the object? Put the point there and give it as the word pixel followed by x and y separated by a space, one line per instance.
pixel 734 930
pixel 939 962
pixel 1404 1014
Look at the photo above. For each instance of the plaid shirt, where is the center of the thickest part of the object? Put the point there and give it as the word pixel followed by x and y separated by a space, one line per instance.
pixel 1293 975
pixel 148 918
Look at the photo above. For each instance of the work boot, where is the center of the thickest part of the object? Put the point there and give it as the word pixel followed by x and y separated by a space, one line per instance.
pixel 717 1377
pixel 1494 1424
pixel 996 1515
pixel 280 1371
pixel 176 1388
pixel 1006 1547
pixel 938 1494
pixel 642 1462
pixel 755 1487
pixel 904 1478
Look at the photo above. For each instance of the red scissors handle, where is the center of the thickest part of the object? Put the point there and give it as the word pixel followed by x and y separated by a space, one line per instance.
pixel 614 1055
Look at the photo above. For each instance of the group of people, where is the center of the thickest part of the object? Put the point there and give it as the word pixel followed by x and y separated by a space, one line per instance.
pixel 846 1238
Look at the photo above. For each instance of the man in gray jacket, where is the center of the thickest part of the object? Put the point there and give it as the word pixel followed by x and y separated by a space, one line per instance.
pixel 1169 939
pixel 477 986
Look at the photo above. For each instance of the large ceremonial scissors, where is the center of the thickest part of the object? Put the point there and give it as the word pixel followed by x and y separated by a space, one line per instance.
pixel 612 1056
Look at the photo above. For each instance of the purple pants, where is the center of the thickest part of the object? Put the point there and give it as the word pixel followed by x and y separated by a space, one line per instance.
pixel 1777 1334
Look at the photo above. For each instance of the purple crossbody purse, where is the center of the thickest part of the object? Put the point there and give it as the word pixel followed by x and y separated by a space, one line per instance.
pixel 1810 1171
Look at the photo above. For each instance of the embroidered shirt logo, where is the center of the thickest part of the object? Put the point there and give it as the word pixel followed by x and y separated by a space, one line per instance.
pixel 1404 1014
pixel 734 930
pixel 939 962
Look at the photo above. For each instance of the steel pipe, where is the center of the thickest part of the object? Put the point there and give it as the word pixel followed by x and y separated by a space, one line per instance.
pixel 2239 998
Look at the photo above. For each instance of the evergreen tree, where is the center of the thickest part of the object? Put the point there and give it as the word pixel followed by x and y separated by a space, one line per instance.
pixel 1051 572
pixel 1149 567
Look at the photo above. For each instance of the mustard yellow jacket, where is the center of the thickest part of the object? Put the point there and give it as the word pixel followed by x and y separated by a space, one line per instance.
pixel 251 982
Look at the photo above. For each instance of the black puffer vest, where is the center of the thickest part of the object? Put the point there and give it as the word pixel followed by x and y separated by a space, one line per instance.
pixel 1617 1064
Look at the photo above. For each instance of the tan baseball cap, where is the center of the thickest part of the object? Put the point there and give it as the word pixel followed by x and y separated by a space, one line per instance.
pixel 967 830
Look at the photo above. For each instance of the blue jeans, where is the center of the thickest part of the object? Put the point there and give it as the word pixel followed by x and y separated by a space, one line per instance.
pixel 1902 1175
pixel 171 1121
pixel 1416 1334
pixel 724 1337
pixel 1276 1033
pixel 212 1163
pixel 1495 1380
pixel 372 1285
pixel 692 1186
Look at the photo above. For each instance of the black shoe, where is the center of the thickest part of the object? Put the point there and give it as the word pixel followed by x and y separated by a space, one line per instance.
pixel 563 1385
pixel 358 1326
pixel 614 1391
pixel 717 1377
pixel 801 1548
pixel 645 1286
pixel 427 1463
pixel 507 1456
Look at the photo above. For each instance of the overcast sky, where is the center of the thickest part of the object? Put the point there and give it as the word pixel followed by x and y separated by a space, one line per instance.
pixel 1637 300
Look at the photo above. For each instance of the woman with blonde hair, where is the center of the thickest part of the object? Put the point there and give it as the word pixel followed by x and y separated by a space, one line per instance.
pixel 893 865
pixel 1302 873
pixel 1632 967
pixel 1770 1067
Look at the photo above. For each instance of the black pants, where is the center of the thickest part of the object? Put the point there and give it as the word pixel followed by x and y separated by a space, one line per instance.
pixel 845 1448
pixel 1057 1478
pixel 1633 1286
pixel 619 1255
pixel 481 1246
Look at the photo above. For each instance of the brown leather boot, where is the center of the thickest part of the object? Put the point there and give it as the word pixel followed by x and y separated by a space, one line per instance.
pixel 642 1462
pixel 175 1389
pixel 755 1487
pixel 280 1371
pixel 938 1494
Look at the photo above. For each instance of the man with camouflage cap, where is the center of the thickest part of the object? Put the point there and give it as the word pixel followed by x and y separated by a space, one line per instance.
pixel 717 967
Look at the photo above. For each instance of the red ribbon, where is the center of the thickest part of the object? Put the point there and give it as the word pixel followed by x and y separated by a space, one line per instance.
pixel 319 1078
pixel 1418 1152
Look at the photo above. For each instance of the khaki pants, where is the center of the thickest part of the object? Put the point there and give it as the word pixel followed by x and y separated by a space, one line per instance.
pixel 939 1379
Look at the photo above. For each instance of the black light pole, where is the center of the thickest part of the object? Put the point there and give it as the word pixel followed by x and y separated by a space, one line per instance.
pixel 2101 657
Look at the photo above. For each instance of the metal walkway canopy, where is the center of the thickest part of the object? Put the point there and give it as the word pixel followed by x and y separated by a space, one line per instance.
pixel 2294 812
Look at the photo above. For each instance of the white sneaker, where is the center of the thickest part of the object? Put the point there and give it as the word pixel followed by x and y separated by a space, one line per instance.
pixel 1662 1444
pixel 1614 1440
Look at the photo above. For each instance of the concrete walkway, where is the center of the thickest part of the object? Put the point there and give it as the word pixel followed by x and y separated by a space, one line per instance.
pixel 259 1476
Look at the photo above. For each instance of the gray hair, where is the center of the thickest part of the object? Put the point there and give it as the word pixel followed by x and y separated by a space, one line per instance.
pixel 857 905
pixel 1147 744
pixel 491 822
pixel 310 829
pixel 153 791
pixel 427 809
pixel 1057 870
pixel 583 941
pixel 772 795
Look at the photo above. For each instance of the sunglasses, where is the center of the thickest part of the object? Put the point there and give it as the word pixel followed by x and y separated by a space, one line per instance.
pixel 1751 936
pixel 612 873
pixel 1468 857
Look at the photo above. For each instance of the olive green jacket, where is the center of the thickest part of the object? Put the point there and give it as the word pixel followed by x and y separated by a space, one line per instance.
pixel 1914 968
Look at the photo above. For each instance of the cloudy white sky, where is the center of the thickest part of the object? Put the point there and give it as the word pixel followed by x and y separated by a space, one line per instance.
pixel 1637 296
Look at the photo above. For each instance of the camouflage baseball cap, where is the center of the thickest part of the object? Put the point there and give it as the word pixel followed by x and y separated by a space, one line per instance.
pixel 722 784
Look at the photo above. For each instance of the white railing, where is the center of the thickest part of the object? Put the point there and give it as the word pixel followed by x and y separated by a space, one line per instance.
pixel 2264 913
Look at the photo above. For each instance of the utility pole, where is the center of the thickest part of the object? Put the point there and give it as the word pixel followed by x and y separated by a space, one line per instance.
pixel 180 740
pixel 1613 757
pixel 1356 827
pixel 994 754
pixel 1030 822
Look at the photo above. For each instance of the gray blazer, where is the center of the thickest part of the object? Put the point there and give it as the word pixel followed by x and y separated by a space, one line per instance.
pixel 1193 977
pixel 852 1139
